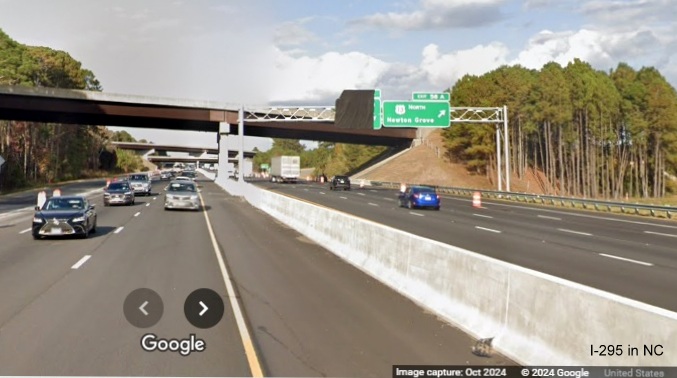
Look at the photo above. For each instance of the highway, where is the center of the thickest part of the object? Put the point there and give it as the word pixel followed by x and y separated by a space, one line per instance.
pixel 308 313
pixel 631 256
pixel 25 200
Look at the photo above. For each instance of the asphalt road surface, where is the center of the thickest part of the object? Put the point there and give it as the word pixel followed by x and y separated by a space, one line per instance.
pixel 307 312
pixel 632 256
pixel 26 200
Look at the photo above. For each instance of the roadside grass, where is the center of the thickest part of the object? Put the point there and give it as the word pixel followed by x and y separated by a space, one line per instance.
pixel 87 175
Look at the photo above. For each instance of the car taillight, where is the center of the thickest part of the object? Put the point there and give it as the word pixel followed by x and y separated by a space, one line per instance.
pixel 438 196
pixel 416 195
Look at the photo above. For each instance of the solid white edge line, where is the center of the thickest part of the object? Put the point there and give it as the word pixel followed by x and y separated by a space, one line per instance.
pixel 547 217
pixel 137 214
pixel 25 231
pixel 483 216
pixel 413 213
pixel 373 204
pixel 626 259
pixel 574 232
pixel 247 343
pixel 661 234
pixel 117 230
pixel 81 262
pixel 488 229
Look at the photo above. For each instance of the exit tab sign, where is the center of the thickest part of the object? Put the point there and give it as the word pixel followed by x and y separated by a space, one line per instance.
pixel 425 96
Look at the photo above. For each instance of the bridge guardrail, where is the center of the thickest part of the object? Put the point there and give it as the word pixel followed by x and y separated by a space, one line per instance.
pixel 588 204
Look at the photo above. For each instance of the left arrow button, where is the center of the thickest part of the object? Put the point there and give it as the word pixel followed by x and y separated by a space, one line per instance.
pixel 142 308
pixel 148 313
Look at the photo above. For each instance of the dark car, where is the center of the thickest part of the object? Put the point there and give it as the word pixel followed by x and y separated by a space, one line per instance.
pixel 118 193
pixel 188 173
pixel 339 182
pixel 420 196
pixel 69 215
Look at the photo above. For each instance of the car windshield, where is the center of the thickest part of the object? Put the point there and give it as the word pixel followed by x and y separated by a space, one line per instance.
pixel 181 187
pixel 118 186
pixel 64 204
pixel 423 190
pixel 138 177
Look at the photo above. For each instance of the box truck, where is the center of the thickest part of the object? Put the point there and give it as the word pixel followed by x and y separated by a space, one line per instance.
pixel 285 169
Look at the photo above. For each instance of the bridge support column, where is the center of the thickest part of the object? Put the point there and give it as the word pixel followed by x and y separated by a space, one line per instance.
pixel 222 170
pixel 240 140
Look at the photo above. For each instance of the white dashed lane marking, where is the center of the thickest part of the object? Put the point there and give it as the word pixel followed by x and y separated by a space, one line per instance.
pixel 574 232
pixel 625 259
pixel 661 234
pixel 488 229
pixel 81 262
pixel 483 216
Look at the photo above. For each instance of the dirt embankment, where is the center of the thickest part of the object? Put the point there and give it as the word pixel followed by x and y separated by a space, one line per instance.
pixel 426 164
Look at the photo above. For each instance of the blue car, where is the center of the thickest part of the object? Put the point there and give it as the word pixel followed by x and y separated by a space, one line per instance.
pixel 420 196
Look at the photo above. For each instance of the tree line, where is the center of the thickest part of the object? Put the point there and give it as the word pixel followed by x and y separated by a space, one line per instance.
pixel 39 153
pixel 327 158
pixel 591 133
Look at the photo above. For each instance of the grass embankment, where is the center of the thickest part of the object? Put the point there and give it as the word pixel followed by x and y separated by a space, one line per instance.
pixel 87 175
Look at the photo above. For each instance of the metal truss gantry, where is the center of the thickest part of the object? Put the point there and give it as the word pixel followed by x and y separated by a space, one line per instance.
pixel 295 113
pixel 497 116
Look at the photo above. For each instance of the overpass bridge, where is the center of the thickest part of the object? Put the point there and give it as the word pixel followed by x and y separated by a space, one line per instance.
pixel 98 108
pixel 148 149
pixel 157 153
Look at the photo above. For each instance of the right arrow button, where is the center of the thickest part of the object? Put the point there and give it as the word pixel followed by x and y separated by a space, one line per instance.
pixel 203 308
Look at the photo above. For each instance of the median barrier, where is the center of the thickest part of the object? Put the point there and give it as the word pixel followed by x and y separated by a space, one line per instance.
pixel 534 318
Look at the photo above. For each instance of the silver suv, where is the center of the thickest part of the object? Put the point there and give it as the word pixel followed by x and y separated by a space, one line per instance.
pixel 140 183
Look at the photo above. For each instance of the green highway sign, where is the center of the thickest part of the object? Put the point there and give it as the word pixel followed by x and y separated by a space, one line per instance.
pixel 416 114
pixel 377 109
pixel 424 96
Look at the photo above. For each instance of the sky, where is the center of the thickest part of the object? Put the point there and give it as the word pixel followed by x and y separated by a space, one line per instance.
pixel 303 52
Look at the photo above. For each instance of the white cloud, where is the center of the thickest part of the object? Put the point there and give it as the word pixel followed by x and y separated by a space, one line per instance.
pixel 443 70
pixel 438 14
pixel 534 4
pixel 601 49
pixel 319 78
pixel 293 34
pixel 629 14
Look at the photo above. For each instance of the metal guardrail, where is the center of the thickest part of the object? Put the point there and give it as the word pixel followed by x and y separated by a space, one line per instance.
pixel 588 204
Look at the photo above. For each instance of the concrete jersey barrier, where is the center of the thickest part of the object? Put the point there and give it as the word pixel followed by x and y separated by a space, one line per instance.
pixel 535 318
